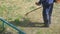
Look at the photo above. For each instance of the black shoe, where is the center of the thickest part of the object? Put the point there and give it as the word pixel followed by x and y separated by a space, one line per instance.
pixel 49 22
pixel 46 25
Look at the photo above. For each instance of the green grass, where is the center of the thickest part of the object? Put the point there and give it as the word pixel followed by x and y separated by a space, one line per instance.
pixel 32 7
pixel 27 1
pixel 39 32
pixel 15 10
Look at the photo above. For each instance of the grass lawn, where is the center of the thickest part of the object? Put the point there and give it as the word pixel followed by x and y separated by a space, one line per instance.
pixel 14 11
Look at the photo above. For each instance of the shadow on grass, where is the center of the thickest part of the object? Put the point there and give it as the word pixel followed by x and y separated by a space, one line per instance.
pixel 26 23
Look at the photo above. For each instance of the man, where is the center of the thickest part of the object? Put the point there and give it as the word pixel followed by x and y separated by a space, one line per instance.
pixel 47 10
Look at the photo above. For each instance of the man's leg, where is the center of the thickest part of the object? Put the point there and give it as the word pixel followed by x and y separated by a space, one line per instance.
pixel 47 10
pixel 50 12
pixel 45 18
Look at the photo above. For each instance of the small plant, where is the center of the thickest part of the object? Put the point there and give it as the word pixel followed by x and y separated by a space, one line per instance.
pixel 32 7
pixel 28 0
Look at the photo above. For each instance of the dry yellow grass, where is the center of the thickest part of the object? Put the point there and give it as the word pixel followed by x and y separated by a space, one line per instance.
pixel 16 8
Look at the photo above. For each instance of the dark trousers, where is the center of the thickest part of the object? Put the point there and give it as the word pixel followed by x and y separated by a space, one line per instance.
pixel 47 11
